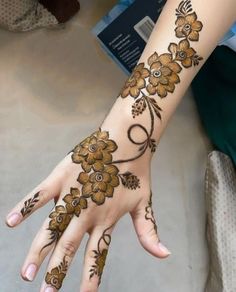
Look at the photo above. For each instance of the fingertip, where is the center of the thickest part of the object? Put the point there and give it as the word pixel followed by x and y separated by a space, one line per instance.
pixel 13 219
pixel 162 251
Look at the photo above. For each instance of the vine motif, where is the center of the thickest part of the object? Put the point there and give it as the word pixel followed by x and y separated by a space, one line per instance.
pixel 149 213
pixel 29 204
pixel 100 255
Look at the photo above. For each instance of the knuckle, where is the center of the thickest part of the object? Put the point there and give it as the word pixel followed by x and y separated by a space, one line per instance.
pixel 68 248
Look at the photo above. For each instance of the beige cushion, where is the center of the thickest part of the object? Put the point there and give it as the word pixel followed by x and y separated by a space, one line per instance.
pixel 220 190
pixel 24 15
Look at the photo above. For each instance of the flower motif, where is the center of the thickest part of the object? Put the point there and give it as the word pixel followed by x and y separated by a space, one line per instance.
pixel 183 53
pixel 57 274
pixel 99 184
pixel 74 203
pixel 55 278
pixel 163 74
pixel 136 81
pixel 94 151
pixel 101 261
pixel 188 26
pixel 60 219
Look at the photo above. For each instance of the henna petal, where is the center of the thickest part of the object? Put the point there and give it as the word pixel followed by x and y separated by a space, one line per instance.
pixel 190 18
pixel 165 58
pixel 184 45
pixel 165 71
pixel 153 58
pixel 83 178
pixel 170 87
pixel 87 189
pixel 156 66
pixel 197 25
pixel 154 80
pixel 109 191
pixel 98 198
pixel 172 48
pixel 187 62
pixel 161 91
pixel 134 91
pixel 151 89
pixel 174 78
pixel 175 67
pixel 193 36
pixel 98 166
pixel 190 52
pixel 111 169
pixel 99 186
pixel 83 203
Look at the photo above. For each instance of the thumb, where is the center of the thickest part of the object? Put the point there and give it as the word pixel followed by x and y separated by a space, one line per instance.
pixel 146 229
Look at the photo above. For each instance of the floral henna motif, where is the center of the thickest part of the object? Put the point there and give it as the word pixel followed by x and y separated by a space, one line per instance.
pixel 62 215
pixel 94 151
pixel 29 204
pixel 162 72
pixel 99 184
pixel 149 213
pixel 100 255
pixel 136 81
pixel 74 202
pixel 57 274
pixel 187 24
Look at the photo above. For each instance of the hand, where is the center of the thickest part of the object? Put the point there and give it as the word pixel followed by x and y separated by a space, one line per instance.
pixel 93 188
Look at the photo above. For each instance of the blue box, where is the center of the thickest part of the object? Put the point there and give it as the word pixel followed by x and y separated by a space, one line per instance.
pixel 124 31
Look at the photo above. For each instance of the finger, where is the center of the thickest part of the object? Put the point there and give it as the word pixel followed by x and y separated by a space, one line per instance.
pixel 51 231
pixel 37 198
pixel 146 229
pixel 63 254
pixel 95 258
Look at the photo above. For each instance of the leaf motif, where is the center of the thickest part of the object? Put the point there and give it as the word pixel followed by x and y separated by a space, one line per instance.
pixel 184 8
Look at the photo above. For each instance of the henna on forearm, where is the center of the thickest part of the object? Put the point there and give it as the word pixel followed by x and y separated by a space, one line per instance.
pixel 100 255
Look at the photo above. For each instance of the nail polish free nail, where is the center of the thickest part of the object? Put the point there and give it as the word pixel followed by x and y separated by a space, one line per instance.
pixel 31 272
pixel 13 219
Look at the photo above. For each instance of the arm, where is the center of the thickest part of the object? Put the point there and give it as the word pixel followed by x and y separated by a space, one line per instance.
pixel 108 173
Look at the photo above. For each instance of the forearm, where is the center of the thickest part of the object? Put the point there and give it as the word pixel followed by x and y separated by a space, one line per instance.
pixel 164 76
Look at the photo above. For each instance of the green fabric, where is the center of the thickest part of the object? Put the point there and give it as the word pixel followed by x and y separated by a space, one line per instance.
pixel 214 90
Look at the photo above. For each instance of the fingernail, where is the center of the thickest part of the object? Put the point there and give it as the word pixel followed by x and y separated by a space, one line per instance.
pixel 31 272
pixel 49 289
pixel 13 219
pixel 163 248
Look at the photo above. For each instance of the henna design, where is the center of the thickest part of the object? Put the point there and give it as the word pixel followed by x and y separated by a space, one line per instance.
pixel 100 255
pixel 162 73
pixel 149 213
pixel 129 180
pixel 100 175
pixel 29 204
pixel 57 274
pixel 62 215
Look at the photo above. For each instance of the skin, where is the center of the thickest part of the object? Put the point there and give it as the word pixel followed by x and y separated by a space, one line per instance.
pixel 137 125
